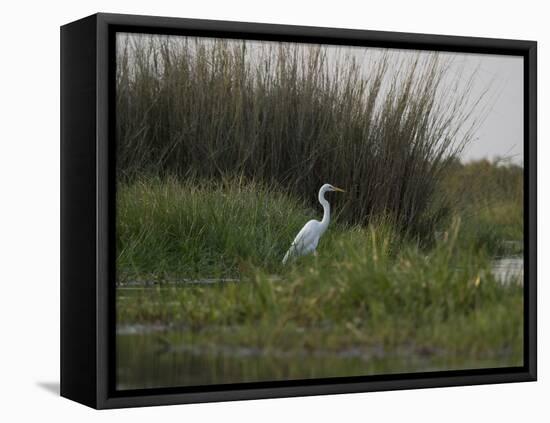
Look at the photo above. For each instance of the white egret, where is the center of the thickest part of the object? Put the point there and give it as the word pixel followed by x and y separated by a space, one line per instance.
pixel 307 239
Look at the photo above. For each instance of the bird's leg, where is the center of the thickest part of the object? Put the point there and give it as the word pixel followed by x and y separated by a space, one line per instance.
pixel 315 253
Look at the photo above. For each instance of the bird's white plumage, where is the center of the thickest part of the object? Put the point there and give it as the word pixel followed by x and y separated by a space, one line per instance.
pixel 308 238
pixel 305 242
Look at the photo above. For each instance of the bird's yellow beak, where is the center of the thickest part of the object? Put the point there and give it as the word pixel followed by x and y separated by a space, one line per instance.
pixel 338 189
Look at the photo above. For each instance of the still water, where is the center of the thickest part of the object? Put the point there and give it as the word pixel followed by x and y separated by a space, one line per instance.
pixel 508 269
pixel 145 361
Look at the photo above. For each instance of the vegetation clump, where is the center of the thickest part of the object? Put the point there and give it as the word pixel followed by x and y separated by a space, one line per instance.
pixel 295 116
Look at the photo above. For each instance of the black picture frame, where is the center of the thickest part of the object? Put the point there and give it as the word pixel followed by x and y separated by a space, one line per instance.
pixel 87 205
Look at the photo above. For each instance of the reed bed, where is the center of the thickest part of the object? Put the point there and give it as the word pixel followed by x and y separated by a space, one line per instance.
pixel 294 117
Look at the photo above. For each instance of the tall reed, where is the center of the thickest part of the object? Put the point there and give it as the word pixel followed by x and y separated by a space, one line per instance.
pixel 295 116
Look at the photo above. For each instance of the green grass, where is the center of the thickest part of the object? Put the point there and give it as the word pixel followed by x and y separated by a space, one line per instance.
pixel 446 303
pixel 208 229
pixel 489 198
pixel 368 286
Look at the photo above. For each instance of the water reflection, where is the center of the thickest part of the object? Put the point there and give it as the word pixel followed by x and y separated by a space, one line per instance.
pixel 147 361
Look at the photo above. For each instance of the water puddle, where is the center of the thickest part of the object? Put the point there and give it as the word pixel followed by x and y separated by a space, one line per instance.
pixel 175 282
pixel 508 269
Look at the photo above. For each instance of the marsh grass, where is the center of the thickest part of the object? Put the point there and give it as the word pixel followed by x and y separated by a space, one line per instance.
pixel 295 116
pixel 489 197
pixel 203 228
pixel 221 228
pixel 361 291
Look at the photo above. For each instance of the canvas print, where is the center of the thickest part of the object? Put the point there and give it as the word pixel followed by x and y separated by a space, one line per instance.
pixel 293 211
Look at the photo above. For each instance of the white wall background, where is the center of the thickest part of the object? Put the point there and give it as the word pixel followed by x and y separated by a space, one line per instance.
pixel 29 213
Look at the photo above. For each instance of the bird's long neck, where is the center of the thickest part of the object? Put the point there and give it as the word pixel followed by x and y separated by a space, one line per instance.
pixel 326 210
